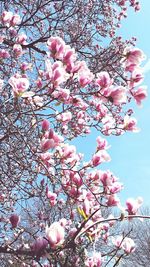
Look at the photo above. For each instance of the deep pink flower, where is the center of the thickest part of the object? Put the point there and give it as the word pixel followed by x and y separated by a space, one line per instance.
pixel 45 125
pixel 14 219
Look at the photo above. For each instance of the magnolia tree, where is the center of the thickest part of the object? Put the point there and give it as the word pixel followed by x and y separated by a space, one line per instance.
pixel 63 72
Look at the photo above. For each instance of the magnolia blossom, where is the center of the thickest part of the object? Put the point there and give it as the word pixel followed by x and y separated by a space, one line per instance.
pixel 133 205
pixel 130 124
pixel 125 243
pixel 140 94
pixel 19 84
pixel 21 38
pixel 39 245
pixel 14 219
pixel 55 234
pixel 104 80
pixel 57 47
pixel 45 125
pixel 17 49
pixel 6 17
pixel 134 55
pixel 52 198
pixel 117 95
pixel 100 157
pixel 94 261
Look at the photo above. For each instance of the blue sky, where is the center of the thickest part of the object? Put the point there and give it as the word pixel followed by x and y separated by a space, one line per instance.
pixel 130 153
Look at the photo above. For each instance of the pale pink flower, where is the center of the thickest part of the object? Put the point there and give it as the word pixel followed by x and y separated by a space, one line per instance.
pixel 94 261
pixel 134 55
pixel 117 241
pixel 104 79
pixel 21 39
pixel 130 124
pixel 113 200
pixel 17 49
pixel 47 144
pixel 101 143
pixel 133 205
pixel 57 47
pixel 52 198
pixel 117 95
pixel 100 157
pixel 140 94
pixel 19 84
pixel 65 116
pixel 55 234
pixel 85 76
pixel 128 245
pixel 6 17
pixel 15 20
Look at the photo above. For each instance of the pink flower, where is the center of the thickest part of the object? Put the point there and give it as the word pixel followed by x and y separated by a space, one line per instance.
pixel 65 116
pixel 6 18
pixel 17 49
pixel 14 219
pixel 102 143
pixel 39 245
pixel 117 95
pixel 94 261
pixel 19 84
pixel 133 205
pixel 140 94
pixel 4 53
pixel 55 234
pixel 134 56
pixel 45 125
pixel 21 38
pixel 52 197
pixel 15 20
pixel 104 79
pixel 113 200
pixel 128 245
pixel 47 144
pixel 100 157
pixel 130 124
pixel 85 77
pixel 57 47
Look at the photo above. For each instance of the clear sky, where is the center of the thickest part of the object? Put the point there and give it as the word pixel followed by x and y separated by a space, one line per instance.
pixel 130 152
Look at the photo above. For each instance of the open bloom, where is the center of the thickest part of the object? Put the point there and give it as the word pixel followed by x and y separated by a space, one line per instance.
pixel 117 95
pixel 134 56
pixel 133 205
pixel 140 94
pixel 55 234
pixel 100 157
pixel 19 84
